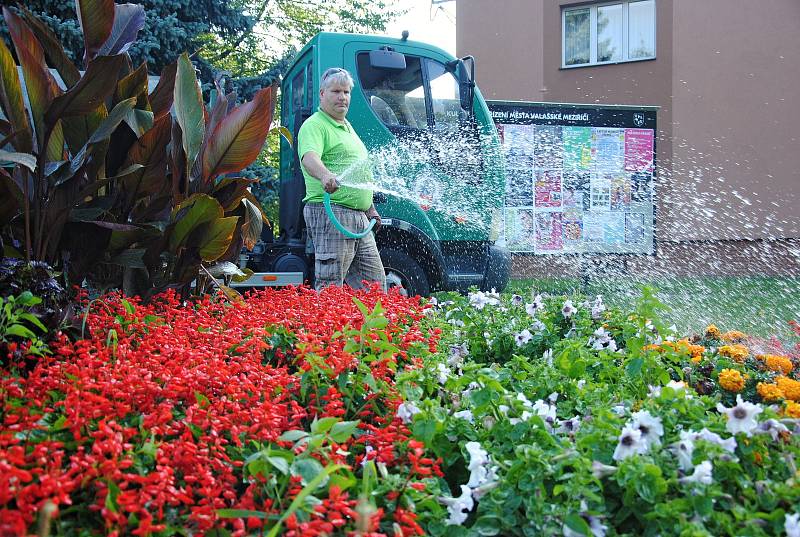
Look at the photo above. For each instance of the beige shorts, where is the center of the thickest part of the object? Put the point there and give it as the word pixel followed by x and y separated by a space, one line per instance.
pixel 339 259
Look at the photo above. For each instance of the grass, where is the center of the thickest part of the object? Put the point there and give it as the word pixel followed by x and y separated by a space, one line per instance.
pixel 757 305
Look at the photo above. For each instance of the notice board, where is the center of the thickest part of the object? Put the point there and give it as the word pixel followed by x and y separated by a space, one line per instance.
pixel 580 179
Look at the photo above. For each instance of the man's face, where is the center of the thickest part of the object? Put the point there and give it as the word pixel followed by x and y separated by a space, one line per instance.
pixel 335 100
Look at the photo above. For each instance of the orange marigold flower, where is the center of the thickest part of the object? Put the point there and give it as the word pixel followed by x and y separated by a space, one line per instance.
pixel 736 352
pixel 789 387
pixel 792 409
pixel 731 380
pixel 712 331
pixel 781 364
pixel 652 347
pixel 734 336
pixel 769 392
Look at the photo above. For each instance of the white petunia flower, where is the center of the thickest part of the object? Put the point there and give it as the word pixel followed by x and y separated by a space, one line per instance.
pixel 728 445
pixel 538 326
pixel 465 415
pixel 630 443
pixel 568 309
pixel 568 426
pixel 547 356
pixel 684 449
pixel 524 400
pixel 598 307
pixel 581 383
pixel 602 340
pixel 406 411
pixel 480 300
pixel 457 354
pixel 522 338
pixel 459 508
pixel 536 306
pixel 598 528
pixel 701 474
pixel 650 426
pixel 553 397
pixel 443 373
pixel 516 300
pixel 619 410
pixel 772 427
pixel 478 462
pixel 742 417
pixel 791 524
pixel 600 470
pixel 545 411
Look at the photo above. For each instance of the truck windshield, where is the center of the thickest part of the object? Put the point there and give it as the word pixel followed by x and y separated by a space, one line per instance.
pixel 398 97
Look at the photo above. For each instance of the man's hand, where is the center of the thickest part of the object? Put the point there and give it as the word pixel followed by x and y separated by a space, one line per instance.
pixel 371 213
pixel 330 183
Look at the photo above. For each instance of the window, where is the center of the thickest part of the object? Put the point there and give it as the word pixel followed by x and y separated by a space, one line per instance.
pixel 609 33
pixel 396 97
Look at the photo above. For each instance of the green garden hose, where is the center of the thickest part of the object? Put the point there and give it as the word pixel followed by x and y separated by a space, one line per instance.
pixel 326 200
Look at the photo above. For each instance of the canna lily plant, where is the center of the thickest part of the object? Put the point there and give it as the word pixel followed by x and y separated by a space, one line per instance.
pixel 109 181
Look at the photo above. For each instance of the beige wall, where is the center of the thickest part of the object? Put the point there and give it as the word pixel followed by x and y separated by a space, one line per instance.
pixel 726 78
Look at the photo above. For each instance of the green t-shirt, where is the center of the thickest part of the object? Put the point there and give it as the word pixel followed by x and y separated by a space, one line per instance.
pixel 343 153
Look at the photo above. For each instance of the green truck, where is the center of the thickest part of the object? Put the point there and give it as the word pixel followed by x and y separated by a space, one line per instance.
pixel 439 172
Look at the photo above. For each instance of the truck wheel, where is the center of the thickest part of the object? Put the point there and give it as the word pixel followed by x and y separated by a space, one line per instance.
pixel 403 271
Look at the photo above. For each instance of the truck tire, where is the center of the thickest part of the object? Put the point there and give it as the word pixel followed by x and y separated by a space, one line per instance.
pixel 402 270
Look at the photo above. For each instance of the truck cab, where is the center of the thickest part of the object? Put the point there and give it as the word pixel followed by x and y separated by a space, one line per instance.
pixel 438 169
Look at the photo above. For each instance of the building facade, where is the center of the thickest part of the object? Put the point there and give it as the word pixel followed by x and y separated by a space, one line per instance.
pixel 724 74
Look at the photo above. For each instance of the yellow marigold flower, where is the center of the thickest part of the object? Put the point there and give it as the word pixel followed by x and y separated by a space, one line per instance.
pixel 733 336
pixel 736 352
pixel 652 347
pixel 781 364
pixel 697 352
pixel 769 392
pixel 789 387
pixel 712 331
pixel 731 380
pixel 792 409
pixel 696 358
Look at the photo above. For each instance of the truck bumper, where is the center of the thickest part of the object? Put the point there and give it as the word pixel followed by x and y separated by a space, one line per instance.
pixel 498 268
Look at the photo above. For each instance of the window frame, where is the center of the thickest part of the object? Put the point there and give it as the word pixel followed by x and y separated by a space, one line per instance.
pixel 593 33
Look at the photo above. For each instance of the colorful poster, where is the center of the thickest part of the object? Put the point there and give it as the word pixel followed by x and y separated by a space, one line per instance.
pixel 548 232
pixel 592 228
pixel 548 189
pixel 613 228
pixel 547 147
pixel 577 148
pixel 600 193
pixel 572 223
pixel 641 188
pixel 519 187
pixel 620 199
pixel 634 228
pixel 639 150
pixel 519 228
pixel 608 149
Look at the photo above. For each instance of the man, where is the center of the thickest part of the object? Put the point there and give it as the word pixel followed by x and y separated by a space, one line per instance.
pixel 330 150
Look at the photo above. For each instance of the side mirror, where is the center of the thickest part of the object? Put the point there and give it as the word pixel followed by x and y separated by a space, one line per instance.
pixel 467 90
pixel 386 58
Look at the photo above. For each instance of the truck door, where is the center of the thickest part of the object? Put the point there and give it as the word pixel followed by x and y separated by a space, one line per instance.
pixel 296 107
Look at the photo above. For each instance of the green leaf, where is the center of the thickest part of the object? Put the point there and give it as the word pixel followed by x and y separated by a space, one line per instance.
pixel 292 436
pixel 53 51
pixel 33 320
pixel 40 85
pixel 194 211
pixel 322 426
pixel 308 468
pixel 12 101
pixel 218 238
pixel 97 19
pixel 111 497
pixel 343 430
pixel 189 109
pixel 287 134
pixel 240 136
pixel 425 429
pixel 487 525
pixel 91 91
pixel 634 367
pixel 576 523
pixel 279 463
pixel 23 159
pixel 19 331
pixel 241 513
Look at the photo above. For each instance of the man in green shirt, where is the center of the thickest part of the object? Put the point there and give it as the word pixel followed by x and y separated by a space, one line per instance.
pixel 331 152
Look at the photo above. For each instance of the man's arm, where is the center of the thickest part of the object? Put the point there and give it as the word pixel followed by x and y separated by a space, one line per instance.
pixel 314 166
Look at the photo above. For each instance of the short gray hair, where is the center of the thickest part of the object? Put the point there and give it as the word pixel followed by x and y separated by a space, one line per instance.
pixel 335 75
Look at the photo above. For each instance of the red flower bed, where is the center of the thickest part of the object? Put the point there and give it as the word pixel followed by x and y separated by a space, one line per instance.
pixel 170 412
